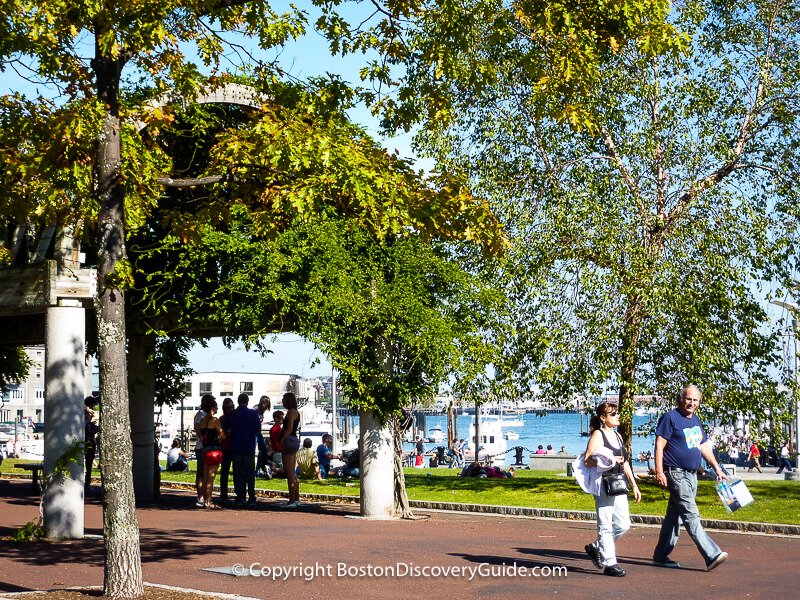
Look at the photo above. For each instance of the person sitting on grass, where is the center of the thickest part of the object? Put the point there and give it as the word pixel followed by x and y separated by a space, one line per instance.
pixel 307 462
pixel 177 457
pixel 324 456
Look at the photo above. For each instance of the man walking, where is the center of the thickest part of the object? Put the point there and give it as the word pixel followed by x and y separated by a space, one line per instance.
pixel 245 425
pixel 681 442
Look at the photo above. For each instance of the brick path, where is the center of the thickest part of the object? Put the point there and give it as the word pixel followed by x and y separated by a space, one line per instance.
pixel 179 541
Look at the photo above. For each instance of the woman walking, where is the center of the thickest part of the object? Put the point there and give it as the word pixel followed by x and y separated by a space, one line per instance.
pixel 604 458
pixel 290 444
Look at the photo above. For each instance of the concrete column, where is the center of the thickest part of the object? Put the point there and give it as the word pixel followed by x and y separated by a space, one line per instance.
pixel 141 391
pixel 377 467
pixel 65 332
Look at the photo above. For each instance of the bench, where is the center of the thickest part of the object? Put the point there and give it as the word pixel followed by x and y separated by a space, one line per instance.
pixel 552 462
pixel 35 469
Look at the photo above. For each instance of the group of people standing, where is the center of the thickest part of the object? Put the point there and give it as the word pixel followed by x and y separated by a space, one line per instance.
pixel 681 444
pixel 231 441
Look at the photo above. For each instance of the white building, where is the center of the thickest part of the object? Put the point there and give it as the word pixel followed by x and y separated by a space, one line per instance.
pixel 25 399
pixel 223 385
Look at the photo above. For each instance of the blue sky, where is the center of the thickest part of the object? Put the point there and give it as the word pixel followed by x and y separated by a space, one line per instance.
pixel 291 354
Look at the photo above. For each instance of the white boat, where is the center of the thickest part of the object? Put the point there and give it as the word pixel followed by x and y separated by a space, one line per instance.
pixel 491 443
pixel 501 421
pixel 511 435
pixel 436 435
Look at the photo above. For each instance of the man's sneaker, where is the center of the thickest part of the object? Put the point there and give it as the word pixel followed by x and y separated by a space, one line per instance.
pixel 594 554
pixel 666 563
pixel 201 503
pixel 713 564
pixel 614 571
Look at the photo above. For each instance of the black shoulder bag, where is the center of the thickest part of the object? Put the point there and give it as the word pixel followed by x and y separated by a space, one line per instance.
pixel 615 484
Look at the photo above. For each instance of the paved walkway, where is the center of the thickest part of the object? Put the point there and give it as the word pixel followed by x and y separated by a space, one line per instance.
pixel 336 548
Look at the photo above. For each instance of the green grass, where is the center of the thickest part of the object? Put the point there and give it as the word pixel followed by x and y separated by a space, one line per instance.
pixel 775 501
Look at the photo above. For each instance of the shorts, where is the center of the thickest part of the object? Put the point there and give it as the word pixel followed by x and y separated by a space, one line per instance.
pixel 212 456
pixel 290 445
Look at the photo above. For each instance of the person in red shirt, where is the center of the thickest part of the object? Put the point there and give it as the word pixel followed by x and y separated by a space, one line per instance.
pixel 753 457
pixel 275 441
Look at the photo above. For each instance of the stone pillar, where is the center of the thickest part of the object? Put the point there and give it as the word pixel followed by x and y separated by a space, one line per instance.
pixel 141 390
pixel 377 467
pixel 65 348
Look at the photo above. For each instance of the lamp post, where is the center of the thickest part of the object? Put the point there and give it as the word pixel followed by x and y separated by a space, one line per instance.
pixel 794 308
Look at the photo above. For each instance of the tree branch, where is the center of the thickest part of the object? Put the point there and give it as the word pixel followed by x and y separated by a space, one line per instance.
pixel 185 183
pixel 626 175
pixel 745 133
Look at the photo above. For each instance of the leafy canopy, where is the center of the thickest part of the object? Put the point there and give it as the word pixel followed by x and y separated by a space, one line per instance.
pixel 433 57
pixel 641 246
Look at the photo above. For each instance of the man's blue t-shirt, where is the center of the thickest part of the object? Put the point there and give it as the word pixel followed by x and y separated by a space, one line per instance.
pixel 244 425
pixel 684 436
pixel 324 458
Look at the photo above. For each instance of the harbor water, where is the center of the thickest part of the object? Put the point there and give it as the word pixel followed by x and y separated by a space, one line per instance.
pixel 555 429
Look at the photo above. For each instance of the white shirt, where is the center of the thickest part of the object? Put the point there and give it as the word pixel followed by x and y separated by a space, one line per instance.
pixel 173 455
pixel 198 417
pixel 589 477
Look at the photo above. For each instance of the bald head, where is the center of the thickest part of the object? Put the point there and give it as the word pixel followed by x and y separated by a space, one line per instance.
pixel 692 391
pixel 689 400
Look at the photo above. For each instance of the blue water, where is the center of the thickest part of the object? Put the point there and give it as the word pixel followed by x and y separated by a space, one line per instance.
pixel 554 429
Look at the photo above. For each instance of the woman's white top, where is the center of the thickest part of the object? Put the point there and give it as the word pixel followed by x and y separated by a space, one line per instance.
pixel 589 477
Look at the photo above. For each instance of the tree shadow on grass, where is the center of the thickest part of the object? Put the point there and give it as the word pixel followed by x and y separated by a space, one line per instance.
pixel 542 492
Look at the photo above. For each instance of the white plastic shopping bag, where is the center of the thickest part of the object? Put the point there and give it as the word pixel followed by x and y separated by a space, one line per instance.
pixel 734 494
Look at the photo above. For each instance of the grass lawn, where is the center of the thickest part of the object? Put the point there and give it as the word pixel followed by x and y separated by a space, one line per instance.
pixel 775 501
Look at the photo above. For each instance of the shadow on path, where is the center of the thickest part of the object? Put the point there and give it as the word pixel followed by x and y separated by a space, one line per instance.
pixel 179 544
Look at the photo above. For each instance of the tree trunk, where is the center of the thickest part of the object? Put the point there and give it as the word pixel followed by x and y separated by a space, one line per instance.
pixel 377 466
pixel 123 563
pixel 402 507
pixel 630 360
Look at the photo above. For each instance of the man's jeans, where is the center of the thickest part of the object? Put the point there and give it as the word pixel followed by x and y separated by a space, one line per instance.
pixel 224 475
pixel 682 486
pixel 244 475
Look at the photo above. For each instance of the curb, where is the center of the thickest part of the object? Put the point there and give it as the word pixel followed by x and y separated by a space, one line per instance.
pixel 220 595
pixel 514 511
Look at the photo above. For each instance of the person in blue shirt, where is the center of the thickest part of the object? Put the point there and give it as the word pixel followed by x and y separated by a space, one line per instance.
pixel 325 454
pixel 681 443
pixel 245 425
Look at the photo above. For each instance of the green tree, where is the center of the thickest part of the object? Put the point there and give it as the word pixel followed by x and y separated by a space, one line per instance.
pixel 645 243
pixel 77 155
pixel 14 366
pixel 431 58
